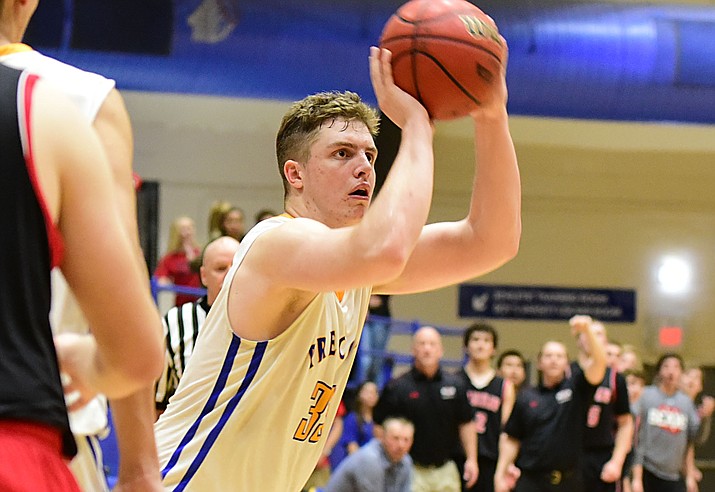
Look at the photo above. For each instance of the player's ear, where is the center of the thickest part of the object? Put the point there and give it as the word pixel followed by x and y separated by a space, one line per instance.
pixel 293 172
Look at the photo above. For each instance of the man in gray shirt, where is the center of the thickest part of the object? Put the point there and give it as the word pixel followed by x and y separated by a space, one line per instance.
pixel 668 425
pixel 381 465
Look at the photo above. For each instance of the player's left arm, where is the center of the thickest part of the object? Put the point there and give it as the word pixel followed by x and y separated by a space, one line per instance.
pixel 613 468
pixel 507 401
pixel 689 468
pixel 134 415
pixel 488 237
pixel 468 437
pixel 114 129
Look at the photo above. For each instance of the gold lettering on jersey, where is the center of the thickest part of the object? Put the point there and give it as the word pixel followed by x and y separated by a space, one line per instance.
pixel 477 28
pixel 311 428
pixel 329 346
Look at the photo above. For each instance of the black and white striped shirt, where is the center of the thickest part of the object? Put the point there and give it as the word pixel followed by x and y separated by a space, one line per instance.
pixel 181 327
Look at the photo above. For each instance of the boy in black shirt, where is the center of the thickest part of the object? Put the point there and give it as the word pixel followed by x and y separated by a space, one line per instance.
pixel 490 396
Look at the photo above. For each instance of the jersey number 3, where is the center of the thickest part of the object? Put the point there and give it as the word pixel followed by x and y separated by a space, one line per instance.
pixel 311 428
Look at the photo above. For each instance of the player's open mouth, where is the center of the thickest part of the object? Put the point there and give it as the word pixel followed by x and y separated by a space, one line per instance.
pixel 362 192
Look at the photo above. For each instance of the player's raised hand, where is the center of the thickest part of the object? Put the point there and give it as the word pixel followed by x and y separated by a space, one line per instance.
pixel 397 104
pixel 580 324
pixel 495 104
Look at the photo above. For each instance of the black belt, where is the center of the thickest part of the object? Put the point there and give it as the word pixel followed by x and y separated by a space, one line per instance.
pixel 553 477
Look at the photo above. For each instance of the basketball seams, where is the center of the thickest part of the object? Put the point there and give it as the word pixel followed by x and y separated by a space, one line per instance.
pixel 413 43
pixel 439 17
pixel 449 75
pixel 414 37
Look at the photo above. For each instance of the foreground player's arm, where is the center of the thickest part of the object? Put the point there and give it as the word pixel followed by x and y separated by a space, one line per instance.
pixel 451 252
pixel 75 180
pixel 468 437
pixel 134 415
pixel 613 468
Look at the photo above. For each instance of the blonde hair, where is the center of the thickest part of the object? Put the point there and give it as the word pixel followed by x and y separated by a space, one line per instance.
pixel 175 243
pixel 218 211
pixel 305 118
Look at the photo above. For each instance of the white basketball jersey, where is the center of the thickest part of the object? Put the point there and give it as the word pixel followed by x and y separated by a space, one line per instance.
pixel 87 91
pixel 253 416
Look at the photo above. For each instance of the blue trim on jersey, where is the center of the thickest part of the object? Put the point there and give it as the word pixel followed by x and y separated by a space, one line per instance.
pixel 210 403
pixel 91 443
pixel 230 407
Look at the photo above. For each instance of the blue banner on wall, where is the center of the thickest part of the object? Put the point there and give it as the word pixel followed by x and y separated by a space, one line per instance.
pixel 545 303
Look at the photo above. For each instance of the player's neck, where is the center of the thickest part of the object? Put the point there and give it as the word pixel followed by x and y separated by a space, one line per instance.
pixel 480 372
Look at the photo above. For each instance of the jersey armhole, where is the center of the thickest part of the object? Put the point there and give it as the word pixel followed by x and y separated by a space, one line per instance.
pixel 25 97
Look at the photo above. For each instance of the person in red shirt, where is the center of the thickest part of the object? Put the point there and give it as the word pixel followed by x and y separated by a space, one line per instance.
pixel 175 266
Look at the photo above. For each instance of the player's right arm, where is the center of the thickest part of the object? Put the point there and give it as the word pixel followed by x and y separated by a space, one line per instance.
pixel 316 258
pixel 594 367
pixel 506 473
pixel 98 262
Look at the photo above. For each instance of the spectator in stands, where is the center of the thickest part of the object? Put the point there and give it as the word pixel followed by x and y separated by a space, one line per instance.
pixel 435 401
pixel 383 464
pixel 263 214
pixel 357 425
pixel 668 425
pixel 542 440
pixel 490 396
pixel 629 359
pixel 511 366
pixel 234 224
pixel 218 211
pixel 175 266
pixel 373 341
pixel 608 436
pixel 635 381
pixel 691 383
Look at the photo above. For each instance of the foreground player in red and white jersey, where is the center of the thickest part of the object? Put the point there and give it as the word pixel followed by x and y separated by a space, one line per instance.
pixel 56 182
pixel 102 106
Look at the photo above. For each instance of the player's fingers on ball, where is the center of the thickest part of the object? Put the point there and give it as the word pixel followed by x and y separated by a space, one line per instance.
pixel 374 59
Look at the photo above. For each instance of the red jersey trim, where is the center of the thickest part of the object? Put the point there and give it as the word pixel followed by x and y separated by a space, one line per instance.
pixel 24 99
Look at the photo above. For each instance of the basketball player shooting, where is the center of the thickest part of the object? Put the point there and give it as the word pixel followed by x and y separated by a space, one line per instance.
pixel 255 404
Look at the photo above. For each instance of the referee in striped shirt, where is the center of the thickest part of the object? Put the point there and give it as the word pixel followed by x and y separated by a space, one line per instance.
pixel 182 323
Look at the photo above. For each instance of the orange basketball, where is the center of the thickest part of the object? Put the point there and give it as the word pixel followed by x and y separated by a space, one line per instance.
pixel 445 53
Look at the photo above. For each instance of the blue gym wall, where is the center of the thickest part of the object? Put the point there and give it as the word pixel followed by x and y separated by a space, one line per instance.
pixel 575 59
